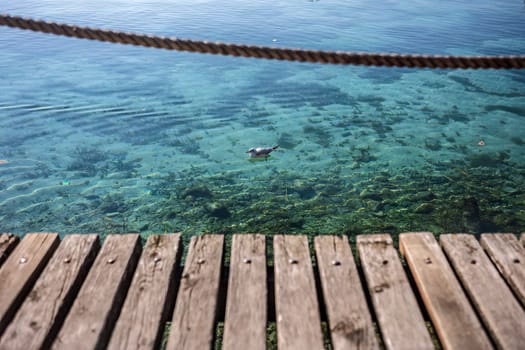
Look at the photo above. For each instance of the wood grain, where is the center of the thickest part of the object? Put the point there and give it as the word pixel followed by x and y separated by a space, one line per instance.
pixel 96 308
pixel 42 313
pixel 152 291
pixel 508 255
pixel 401 323
pixel 246 305
pixel 297 308
pixel 194 317
pixel 348 314
pixel 20 271
pixel 499 309
pixel 450 311
pixel 8 242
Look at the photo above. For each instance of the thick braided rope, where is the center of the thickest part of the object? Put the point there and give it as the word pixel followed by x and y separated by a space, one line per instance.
pixel 274 53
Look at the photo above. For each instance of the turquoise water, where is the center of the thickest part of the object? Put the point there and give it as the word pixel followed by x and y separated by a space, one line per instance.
pixel 109 138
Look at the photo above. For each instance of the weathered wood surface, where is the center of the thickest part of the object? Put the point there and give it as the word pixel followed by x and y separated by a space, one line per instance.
pixel 95 310
pixel 296 304
pixel 151 294
pixel 43 311
pixel 57 294
pixel 20 271
pixel 401 322
pixel 246 305
pixel 499 309
pixel 8 242
pixel 349 318
pixel 452 315
pixel 194 317
pixel 508 255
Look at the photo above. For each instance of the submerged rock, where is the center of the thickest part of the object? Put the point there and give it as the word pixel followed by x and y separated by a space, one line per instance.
pixel 305 190
pixel 424 196
pixel 368 194
pixel 197 191
pixel 491 160
pixel 425 208
pixel 218 210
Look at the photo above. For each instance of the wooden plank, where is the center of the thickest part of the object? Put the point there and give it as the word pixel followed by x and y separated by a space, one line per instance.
pixel 8 242
pixel 498 308
pixel 349 318
pixel 95 310
pixel 509 257
pixel 401 322
pixel 20 271
pixel 194 317
pixel 297 308
pixel 450 311
pixel 42 313
pixel 246 306
pixel 141 321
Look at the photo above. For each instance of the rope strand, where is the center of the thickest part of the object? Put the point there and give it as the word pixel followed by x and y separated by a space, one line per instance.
pixel 273 53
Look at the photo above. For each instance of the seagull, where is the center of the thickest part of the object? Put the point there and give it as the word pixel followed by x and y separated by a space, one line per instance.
pixel 261 152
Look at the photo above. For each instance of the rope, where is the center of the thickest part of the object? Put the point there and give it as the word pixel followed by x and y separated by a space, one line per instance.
pixel 273 53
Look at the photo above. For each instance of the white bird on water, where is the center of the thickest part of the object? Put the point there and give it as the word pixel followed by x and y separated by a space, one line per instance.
pixel 261 152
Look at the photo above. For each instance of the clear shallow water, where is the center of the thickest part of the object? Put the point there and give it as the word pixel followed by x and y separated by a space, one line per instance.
pixel 110 138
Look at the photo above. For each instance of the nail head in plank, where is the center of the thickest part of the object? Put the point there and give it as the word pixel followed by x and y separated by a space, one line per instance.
pixel 509 257
pixel 246 306
pixel 348 314
pixel 46 306
pixel 8 242
pixel 450 311
pixel 20 271
pixel 497 306
pixel 193 321
pixel 400 320
pixel 297 308
pixel 96 307
pixel 143 315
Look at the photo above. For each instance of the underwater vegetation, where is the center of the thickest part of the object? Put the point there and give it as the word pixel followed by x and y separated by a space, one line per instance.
pixel 468 198
pixel 85 160
pixel 517 110
pixel 186 145
pixel 91 161
pixel 287 141
pixel 355 191
pixel 384 75
pixel 317 134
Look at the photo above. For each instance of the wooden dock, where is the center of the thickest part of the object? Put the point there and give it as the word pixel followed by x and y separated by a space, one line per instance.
pixel 454 292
